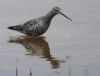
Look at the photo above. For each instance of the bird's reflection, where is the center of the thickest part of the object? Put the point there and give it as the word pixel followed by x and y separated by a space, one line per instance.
pixel 37 46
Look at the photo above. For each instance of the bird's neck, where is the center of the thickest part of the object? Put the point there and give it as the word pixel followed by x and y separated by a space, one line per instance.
pixel 50 15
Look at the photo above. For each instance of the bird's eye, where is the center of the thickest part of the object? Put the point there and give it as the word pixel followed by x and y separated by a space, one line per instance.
pixel 58 9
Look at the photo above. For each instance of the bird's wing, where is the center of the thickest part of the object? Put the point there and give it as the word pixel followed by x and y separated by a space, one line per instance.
pixel 32 24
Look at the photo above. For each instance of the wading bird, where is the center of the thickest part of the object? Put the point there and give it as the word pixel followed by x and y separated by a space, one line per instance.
pixel 38 26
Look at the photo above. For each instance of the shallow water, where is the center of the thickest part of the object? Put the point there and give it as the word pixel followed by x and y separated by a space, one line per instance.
pixel 66 49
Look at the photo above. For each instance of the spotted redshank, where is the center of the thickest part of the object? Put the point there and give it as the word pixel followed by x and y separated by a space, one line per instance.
pixel 38 26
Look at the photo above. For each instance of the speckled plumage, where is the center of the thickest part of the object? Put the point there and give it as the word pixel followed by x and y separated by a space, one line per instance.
pixel 37 26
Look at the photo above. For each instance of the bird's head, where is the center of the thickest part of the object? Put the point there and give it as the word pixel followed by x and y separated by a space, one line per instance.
pixel 57 10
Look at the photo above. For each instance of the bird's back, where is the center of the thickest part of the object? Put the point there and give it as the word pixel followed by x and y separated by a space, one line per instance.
pixel 34 27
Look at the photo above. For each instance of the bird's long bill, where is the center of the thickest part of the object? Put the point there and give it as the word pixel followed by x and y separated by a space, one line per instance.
pixel 65 15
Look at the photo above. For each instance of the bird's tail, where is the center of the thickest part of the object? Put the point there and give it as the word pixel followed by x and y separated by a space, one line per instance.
pixel 17 28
